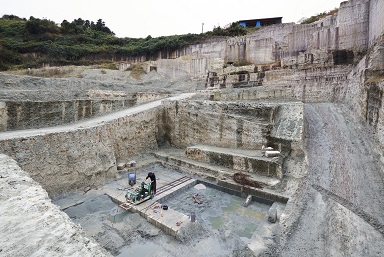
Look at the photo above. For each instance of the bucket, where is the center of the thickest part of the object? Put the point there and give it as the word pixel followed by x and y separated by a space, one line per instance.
pixel 192 217
pixel 132 179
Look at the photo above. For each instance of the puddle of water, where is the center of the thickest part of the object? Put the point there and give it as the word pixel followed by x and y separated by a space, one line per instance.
pixel 140 250
pixel 247 231
pixel 116 218
pixel 216 222
pixel 227 213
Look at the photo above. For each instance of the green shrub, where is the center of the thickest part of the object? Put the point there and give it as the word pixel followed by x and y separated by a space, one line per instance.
pixel 32 42
pixel 108 66
pixel 136 70
pixel 319 16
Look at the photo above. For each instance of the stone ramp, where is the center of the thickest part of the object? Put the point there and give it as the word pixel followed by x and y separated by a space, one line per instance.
pixel 170 221
pixel 252 161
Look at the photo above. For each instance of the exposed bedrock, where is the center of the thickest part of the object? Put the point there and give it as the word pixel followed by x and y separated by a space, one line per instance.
pixel 31 114
pixel 339 39
pixel 34 226
pixel 245 125
pixel 75 157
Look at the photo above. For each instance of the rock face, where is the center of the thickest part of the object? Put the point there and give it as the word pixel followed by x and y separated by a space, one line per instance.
pixel 338 39
pixel 235 159
pixel 33 226
pixel 69 159
pixel 233 125
pixel 376 26
pixel 26 114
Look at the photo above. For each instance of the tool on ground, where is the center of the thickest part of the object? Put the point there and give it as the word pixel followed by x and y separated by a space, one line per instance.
pixel 192 217
pixel 132 179
pixel 196 199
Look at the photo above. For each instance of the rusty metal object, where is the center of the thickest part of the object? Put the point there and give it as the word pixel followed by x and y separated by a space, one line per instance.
pixel 243 179
pixel 196 199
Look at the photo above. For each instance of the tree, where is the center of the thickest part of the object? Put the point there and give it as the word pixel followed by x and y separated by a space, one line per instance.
pixel 37 26
pixel 67 27
pixel 100 26
pixel 12 17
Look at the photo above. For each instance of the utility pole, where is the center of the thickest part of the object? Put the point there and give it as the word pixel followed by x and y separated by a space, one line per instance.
pixel 202 28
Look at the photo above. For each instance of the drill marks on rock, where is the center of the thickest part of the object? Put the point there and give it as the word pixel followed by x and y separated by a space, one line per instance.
pixel 239 133
pixel 341 155
pixel 340 166
pixel 372 221
pixel 374 103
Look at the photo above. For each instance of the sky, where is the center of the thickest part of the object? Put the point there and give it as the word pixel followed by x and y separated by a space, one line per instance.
pixel 140 18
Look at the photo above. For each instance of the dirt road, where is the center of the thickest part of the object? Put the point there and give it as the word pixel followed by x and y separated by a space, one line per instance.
pixel 342 200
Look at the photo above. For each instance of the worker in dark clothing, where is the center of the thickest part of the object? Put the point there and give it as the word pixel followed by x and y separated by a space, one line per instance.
pixel 152 176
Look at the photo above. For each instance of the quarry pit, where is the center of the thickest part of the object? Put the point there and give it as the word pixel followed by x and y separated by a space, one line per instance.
pixel 299 123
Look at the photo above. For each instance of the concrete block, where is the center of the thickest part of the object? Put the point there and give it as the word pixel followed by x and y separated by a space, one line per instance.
pixel 120 166
pixel 131 164
pixel 272 214
pixel 272 153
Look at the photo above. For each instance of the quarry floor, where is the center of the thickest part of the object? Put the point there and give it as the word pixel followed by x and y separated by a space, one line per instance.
pixel 223 226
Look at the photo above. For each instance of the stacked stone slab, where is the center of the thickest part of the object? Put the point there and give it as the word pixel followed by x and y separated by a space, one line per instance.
pixel 244 161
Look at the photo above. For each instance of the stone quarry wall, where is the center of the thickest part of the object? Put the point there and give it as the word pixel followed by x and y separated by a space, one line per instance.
pixel 375 109
pixel 31 225
pixel 341 38
pixel 244 125
pixel 144 97
pixel 353 25
pixel 364 91
pixel 185 123
pixel 91 152
pixel 194 60
pixel 323 84
pixel 353 90
pixel 376 24
pixel 310 85
pixel 181 67
pixel 18 115
pixel 310 61
pixel 261 166
pixel 288 122
pixel 27 115
pixel 75 158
